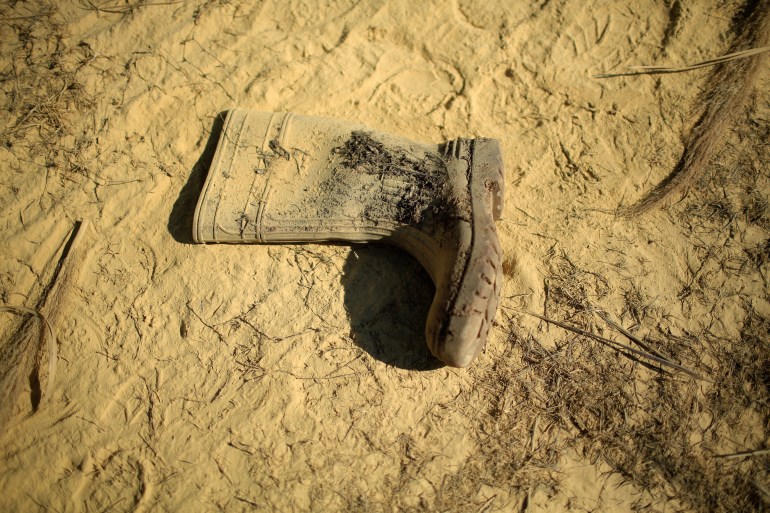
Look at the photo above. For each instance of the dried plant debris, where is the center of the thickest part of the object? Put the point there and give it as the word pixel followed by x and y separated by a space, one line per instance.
pixel 573 289
pixel 423 178
pixel 41 91
pixel 739 190
pixel 364 153
pixel 670 435
pixel 728 89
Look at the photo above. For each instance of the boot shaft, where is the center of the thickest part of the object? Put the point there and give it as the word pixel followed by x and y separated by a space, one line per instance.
pixel 282 178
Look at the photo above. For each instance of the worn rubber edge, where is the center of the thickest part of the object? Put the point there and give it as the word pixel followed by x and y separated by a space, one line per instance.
pixel 473 308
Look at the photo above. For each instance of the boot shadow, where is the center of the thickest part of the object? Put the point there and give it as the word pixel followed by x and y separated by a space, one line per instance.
pixel 387 295
pixel 181 217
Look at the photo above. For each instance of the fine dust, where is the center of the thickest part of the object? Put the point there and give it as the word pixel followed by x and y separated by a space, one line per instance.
pixel 296 378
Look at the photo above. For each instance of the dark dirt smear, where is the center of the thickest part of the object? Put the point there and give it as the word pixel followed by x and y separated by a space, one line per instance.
pixel 363 153
pixel 426 177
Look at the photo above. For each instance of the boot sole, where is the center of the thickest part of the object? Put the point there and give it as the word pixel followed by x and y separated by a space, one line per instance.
pixel 463 333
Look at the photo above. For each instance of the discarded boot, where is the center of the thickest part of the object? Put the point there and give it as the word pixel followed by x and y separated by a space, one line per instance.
pixel 283 178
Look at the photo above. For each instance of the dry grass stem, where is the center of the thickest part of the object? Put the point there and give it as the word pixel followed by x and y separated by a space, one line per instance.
pixel 652 70
pixel 619 346
pixel 728 88
pixel 745 454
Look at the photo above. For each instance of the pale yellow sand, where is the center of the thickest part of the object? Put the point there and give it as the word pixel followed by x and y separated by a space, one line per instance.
pixel 197 378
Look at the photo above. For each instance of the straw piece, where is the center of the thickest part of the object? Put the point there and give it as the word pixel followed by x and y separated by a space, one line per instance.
pixel 655 70
pixel 743 454
pixel 619 345
pixel 703 64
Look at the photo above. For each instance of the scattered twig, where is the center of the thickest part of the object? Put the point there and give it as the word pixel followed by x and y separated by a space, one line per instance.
pixel 546 293
pixel 619 345
pixel 743 454
pixel 122 9
pixel 630 336
pixel 653 70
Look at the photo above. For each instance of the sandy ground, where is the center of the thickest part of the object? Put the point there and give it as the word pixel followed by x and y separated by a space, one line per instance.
pixel 295 378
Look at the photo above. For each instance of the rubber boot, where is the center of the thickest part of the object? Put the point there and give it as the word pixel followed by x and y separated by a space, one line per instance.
pixel 285 178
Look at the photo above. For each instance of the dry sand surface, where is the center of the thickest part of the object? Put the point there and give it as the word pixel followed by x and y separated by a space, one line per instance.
pixel 295 378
